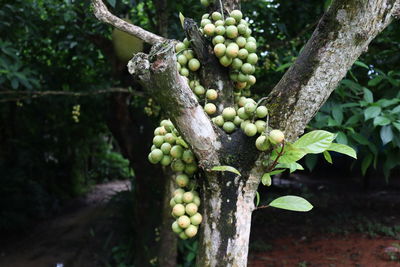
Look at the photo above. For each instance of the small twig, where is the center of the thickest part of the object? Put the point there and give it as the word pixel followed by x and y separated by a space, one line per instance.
pixel 270 168
pixel 261 207
pixel 102 13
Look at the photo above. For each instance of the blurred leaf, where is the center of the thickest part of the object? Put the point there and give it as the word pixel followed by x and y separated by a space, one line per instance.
pixel 368 96
pixel 226 168
pixel 375 81
pixel 112 3
pixel 293 203
pixel 311 161
pixel 337 114
pixel 372 112
pixel 386 134
pixel 361 64
pixel 341 138
pixel 381 121
pixel 366 163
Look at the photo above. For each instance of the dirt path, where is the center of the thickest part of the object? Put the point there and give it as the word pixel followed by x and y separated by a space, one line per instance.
pixel 64 241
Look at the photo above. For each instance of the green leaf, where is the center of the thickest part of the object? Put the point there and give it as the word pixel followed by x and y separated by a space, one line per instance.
pixel 381 121
pixel 284 66
pixel 397 125
pixel 315 142
pixel 337 114
pixel 226 169
pixel 266 179
pixel 375 81
pixel 182 18
pixel 343 149
pixel 276 172
pixel 361 64
pixel 257 198
pixel 366 163
pixel 112 3
pixel 395 110
pixel 292 166
pixel 360 139
pixel 372 112
pixel 311 161
pixel 341 138
pixel 368 96
pixel 327 156
pixel 386 134
pixel 293 203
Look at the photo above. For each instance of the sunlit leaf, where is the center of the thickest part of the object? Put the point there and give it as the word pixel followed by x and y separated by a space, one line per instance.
pixel 343 149
pixel 293 203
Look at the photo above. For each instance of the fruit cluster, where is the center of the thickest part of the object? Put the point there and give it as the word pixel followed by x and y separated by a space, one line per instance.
pixel 76 112
pixel 169 149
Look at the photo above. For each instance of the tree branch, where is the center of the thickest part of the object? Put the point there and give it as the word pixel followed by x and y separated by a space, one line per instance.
pixel 342 34
pixel 102 13
pixel 158 74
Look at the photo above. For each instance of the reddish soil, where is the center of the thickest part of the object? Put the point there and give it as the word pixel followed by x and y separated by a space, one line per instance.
pixel 352 250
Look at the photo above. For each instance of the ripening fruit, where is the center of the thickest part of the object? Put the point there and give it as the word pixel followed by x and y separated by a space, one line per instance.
pixel 241 41
pixel 196 219
pixel 260 126
pixel 229 114
pixel 172 202
pixel 211 94
pixel 250 129
pixel 232 50
pixel 209 29
pixel 236 64
pixel 190 168
pixel 219 23
pixel 276 136
pixel 232 32
pixel 229 127
pixel 205 22
pixel 251 39
pixel 242 77
pixel 156 155
pixel 240 85
pixel 252 80
pixel 251 47
pixel 216 16
pixel 261 112
pixel 178 210
pixel 247 68
pixel 242 101
pixel 176 151
pixel 175 228
pixel 178 198
pixel 197 201
pixel 151 160
pixel 178 165
pixel 158 140
pixel 183 221
pixel 191 231
pixel 186 42
pixel 205 16
pixel 233 76
pixel 182 180
pixel 262 143
pixel 219 121
pixel 199 90
pixel 219 50
pixel 230 21
pixel 237 15
pixel 243 53
pixel 210 108
pixel 179 47
pixel 182 59
pixel 205 3
pixel 160 131
pixel 166 148
pixel 178 191
pixel 184 72
pixel 191 209
pixel 188 156
pixel 225 61
pixel 189 54
pixel 166 160
pixel 188 197
pixel 244 124
pixel 252 58
pixel 242 28
pixel 194 64
pixel 218 39
pixel 168 125
pixel 250 108
pixel 220 30
pixel 170 138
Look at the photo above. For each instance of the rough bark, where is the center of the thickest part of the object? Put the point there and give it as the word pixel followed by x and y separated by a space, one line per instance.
pixel 342 34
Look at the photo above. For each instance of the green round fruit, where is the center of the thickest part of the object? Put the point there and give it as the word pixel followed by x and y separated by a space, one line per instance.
pixel 209 29
pixel 182 235
pixel 166 160
pixel 160 131
pixel 191 168
pixel 219 121
pixel 178 165
pixel 243 53
pixel 178 198
pixel 205 3
pixel 225 61
pixel 219 23
pixel 153 147
pixel 210 108
pixel 168 125
pixel 170 138
pixel 241 41
pixel 151 160
pixel 260 126
pixel 251 39
pixel 232 32
pixel 188 156
pixel 166 148
pixel 197 201
pixel 199 90
pixel 247 68
pixel 158 140
pixel 178 191
pixel 182 180
pixel 219 50
pixel 242 101
pixel 248 32
pixel 188 197
pixel 211 94
pixel 205 22
pixel 243 77
pixel 229 21
pixel 193 84
pixel 183 221
pixel 191 231
pixel 184 72
pixel 251 47
pixel 229 114
pixel 205 16
pixel 196 219
pixel 156 155
pixel 250 129
pixel 194 64
pixel 180 47
pixel 220 30
pixel 182 60
pixel 242 28
pixel 172 202
pixel 229 127
pixel 275 137
pixel 216 16
pixel 178 66
pixel 252 58
pixel 236 64
pixel 176 151
pixel 244 124
pixel 233 76
pixel 237 121
pixel 186 42
pixel 175 228
pixel 250 108
pixel 237 15
pixel 178 210
pixel 189 54
pixel 252 80
pixel 228 42
pixel 191 209
pixel 240 85
pixel 219 40
pixel 261 112
pixel 262 143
